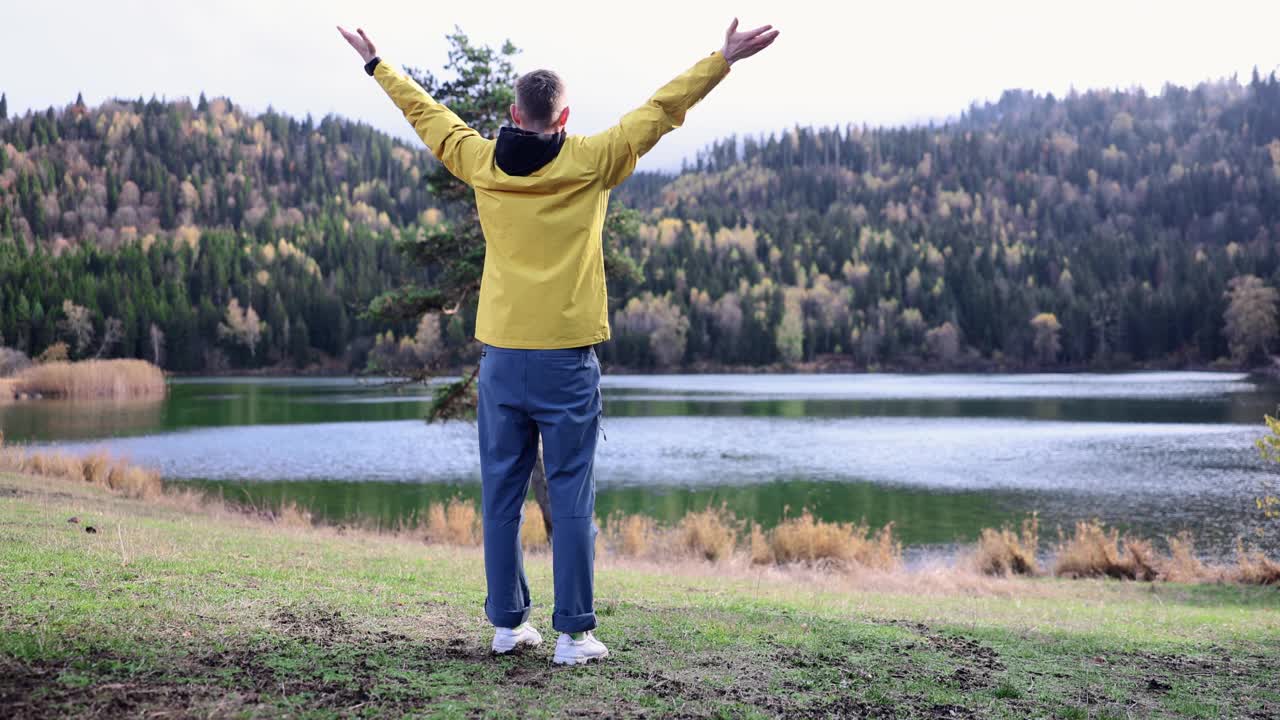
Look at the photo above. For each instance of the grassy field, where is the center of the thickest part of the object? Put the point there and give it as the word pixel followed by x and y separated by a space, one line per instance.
pixel 172 612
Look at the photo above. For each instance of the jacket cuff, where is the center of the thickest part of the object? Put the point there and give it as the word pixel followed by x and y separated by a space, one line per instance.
pixel 724 65
pixel 370 66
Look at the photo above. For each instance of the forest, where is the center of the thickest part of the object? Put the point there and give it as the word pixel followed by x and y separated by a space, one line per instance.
pixel 1102 229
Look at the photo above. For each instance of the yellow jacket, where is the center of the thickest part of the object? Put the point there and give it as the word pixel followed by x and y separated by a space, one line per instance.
pixel 543 284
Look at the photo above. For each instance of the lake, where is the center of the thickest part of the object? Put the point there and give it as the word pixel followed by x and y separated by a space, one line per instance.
pixel 941 456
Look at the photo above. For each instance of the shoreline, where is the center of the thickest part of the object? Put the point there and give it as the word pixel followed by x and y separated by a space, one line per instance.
pixel 813 368
pixel 718 535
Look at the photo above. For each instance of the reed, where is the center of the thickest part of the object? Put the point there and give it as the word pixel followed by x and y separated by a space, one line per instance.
pixel 453 523
pixel 89 379
pixel 291 514
pixel 632 535
pixel 1254 568
pixel 1091 550
pixel 758 546
pixel 97 469
pixel 1006 552
pixel 1182 565
pixel 806 539
pixel 533 531
pixel 710 534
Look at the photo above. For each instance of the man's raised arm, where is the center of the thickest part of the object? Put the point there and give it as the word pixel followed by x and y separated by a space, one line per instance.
pixel 456 145
pixel 639 130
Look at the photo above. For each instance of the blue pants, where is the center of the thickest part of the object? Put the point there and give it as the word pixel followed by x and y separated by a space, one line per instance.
pixel 524 394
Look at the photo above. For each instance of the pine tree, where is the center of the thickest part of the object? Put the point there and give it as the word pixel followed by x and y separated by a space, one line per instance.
pixel 113 192
pixel 299 342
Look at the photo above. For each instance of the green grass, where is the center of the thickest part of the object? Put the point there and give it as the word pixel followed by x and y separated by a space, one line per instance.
pixel 187 614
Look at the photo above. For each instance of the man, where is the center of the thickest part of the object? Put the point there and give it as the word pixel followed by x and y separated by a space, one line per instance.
pixel 542 196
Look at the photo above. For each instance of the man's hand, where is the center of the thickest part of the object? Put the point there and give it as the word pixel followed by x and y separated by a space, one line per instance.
pixel 739 45
pixel 360 42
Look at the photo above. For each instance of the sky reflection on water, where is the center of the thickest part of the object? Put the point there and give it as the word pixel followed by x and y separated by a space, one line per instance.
pixel 1156 451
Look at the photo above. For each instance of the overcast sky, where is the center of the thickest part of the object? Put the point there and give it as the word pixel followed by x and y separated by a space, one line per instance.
pixel 837 61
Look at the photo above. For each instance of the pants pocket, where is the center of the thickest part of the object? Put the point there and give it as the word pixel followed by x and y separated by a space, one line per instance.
pixel 594 361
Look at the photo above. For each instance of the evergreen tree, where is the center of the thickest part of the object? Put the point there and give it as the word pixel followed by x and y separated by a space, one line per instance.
pixel 299 343
pixel 1124 216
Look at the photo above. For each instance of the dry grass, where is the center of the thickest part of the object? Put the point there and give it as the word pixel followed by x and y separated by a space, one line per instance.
pixel 454 523
pixel 758 547
pixel 806 539
pixel 710 534
pixel 1254 568
pixel 195 501
pixel 92 379
pixel 1182 565
pixel 1096 551
pixel 1006 552
pixel 533 533
pixel 96 469
pixel 1140 559
pixel 1093 550
pixel 291 514
pixel 631 535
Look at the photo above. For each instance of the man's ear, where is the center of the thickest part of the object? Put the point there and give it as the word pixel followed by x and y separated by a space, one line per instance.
pixel 563 119
pixel 515 115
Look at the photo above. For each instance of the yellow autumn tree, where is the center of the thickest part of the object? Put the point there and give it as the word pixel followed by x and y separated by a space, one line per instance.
pixel 1046 342
pixel 1251 326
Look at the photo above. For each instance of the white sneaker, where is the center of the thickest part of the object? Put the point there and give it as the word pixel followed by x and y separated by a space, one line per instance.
pixel 507 639
pixel 579 652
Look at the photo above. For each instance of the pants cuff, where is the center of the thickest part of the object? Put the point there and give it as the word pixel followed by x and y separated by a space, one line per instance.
pixel 507 618
pixel 573 623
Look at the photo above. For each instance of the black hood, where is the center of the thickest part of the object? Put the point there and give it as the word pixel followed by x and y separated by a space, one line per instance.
pixel 521 152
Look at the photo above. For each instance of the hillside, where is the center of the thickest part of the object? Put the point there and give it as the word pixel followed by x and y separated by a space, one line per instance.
pixel 160 214
pixel 1099 229
pixel 1119 215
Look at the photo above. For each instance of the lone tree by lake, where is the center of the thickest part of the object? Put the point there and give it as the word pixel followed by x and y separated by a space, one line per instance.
pixel 1251 326
pixel 1046 342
